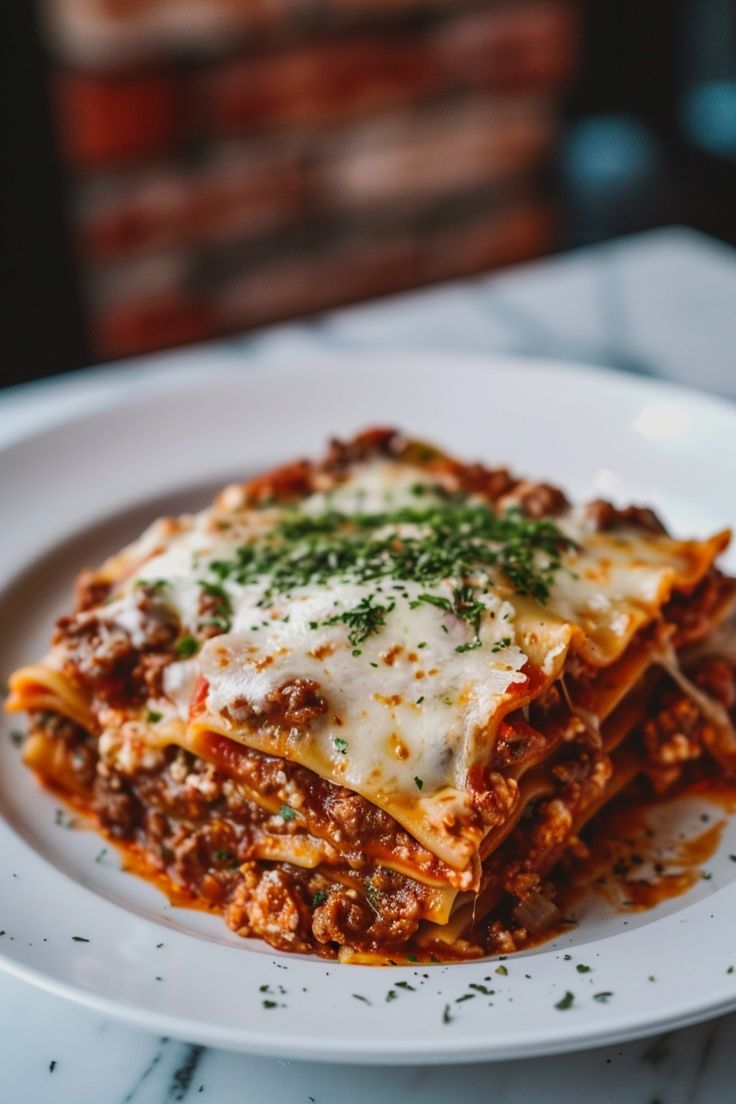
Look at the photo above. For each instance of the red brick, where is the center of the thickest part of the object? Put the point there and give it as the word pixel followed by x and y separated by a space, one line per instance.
pixel 531 44
pixel 367 9
pixel 114 32
pixel 151 322
pixel 105 120
pixel 357 269
pixel 500 237
pixel 362 268
pixel 131 317
pixel 416 159
pixel 110 32
pixel 315 83
pixel 235 200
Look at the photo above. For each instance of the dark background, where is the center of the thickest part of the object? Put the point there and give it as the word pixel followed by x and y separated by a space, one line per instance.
pixel 648 138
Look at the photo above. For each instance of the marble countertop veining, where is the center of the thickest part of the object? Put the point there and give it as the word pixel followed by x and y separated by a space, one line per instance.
pixel 54 1051
pixel 657 304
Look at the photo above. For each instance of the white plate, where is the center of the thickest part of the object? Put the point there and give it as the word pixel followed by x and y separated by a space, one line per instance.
pixel 75 492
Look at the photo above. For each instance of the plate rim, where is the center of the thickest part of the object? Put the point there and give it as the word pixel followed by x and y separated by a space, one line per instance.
pixel 370 1051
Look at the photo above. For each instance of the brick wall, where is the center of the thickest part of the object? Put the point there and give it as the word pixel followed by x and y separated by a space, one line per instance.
pixel 234 162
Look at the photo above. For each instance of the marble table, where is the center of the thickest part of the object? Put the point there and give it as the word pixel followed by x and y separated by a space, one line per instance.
pixel 658 304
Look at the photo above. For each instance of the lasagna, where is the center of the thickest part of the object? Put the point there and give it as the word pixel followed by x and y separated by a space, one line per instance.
pixel 364 706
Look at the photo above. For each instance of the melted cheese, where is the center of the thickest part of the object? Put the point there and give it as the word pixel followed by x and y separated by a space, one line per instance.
pixel 406 714
pixel 404 717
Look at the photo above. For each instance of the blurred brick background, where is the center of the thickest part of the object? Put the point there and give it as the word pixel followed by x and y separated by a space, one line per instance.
pixel 235 162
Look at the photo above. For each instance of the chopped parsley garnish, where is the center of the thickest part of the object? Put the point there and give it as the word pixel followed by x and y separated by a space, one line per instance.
pixel 364 620
pixel 481 989
pixel 370 891
pixel 581 969
pixel 319 898
pixel 216 590
pixel 446 1017
pixel 603 997
pixel 458 539
pixel 222 605
pixel 79 939
pixel 502 971
pixel 340 744
pixel 287 813
pixel 566 1001
pixel 153 716
pixel 418 782
pixel 439 538
pixel 269 1003
pixel 227 857
pixel 62 819
pixel 360 997
pixel 464 605
pixel 405 985
pixel 100 855
pixel 220 623
pixel 501 644
pixel 420 700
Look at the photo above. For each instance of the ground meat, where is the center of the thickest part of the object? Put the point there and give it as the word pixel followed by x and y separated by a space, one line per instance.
pixel 289 482
pixel 347 918
pixel 491 483
pixel 718 678
pixel 186 789
pixel 604 515
pixel 352 824
pixel 159 625
pixel 517 743
pixel 193 857
pixel 496 799
pixel 74 754
pixel 100 656
pixel 119 810
pixel 674 734
pixel 693 613
pixel 553 825
pixel 296 703
pixel 499 940
pixel 90 590
pixel 343 918
pixel 269 904
pixel 347 811
pixel 373 442
pixel 543 500
pixel 149 671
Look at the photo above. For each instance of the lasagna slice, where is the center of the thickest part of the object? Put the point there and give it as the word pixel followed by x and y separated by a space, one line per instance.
pixel 364 706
